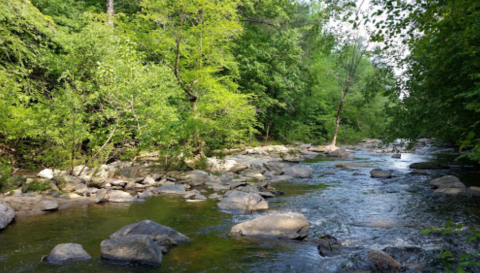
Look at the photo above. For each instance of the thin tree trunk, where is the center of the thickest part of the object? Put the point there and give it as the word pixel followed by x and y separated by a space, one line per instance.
pixel 110 11
pixel 339 113
pixel 73 138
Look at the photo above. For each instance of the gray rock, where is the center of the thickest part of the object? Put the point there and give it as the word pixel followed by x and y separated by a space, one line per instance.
pixel 98 182
pixel 447 181
pixel 119 183
pixel 266 194
pixel 131 172
pixel 7 214
pixel 474 191
pixel 81 188
pixel 161 235
pixel 450 191
pixel 300 171
pixel 384 262
pixel 378 173
pixel 65 253
pixel 276 168
pixel 427 165
pixel 100 196
pixel 238 168
pixel 50 205
pixel 397 156
pixel 196 178
pixel 170 189
pixel 149 180
pixel 133 248
pixel 242 202
pixel 117 196
pixel 286 226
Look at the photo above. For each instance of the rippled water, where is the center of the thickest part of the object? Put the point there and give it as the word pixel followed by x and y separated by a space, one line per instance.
pixel 362 212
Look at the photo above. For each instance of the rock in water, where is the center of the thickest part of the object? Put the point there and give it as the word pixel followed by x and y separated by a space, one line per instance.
pixel 377 173
pixel 427 165
pixel 135 248
pixel 448 185
pixel 397 156
pixel 64 253
pixel 419 172
pixel 383 262
pixel 300 171
pixel 101 196
pixel 7 214
pixel 142 242
pixel 286 226
pixel 50 205
pixel 118 196
pixel 243 202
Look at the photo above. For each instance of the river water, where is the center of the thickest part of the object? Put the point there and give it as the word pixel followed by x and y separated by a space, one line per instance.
pixel 363 213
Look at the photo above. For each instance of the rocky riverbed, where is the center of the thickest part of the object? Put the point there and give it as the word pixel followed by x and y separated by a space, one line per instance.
pixel 352 209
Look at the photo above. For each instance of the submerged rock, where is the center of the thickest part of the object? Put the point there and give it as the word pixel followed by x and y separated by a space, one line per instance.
pixel 427 165
pixel 65 253
pixel 300 171
pixel 351 164
pixel 7 214
pixel 397 156
pixel 419 172
pixel 384 262
pixel 135 248
pixel 327 245
pixel 378 173
pixel 243 202
pixel 284 226
pixel 142 242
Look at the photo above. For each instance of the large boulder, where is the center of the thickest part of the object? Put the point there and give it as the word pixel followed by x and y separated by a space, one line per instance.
pixel 378 173
pixel 7 214
pixel 46 173
pixel 196 178
pixel 65 253
pixel 243 202
pixel 285 226
pixel 300 171
pixel 135 248
pixel 142 242
pixel 427 165
pixel 448 185
pixel 276 168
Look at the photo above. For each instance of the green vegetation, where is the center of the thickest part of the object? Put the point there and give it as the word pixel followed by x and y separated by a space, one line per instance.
pixel 80 85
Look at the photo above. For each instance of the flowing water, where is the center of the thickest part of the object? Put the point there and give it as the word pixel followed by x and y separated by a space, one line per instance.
pixel 363 213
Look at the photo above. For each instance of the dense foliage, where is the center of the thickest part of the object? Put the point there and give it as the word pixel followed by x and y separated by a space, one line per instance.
pixel 183 77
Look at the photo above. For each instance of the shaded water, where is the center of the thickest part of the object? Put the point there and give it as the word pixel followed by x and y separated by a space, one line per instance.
pixel 362 212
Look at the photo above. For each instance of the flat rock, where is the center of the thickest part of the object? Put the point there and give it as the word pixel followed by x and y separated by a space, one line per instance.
pixel 280 178
pixel 378 173
pixel 50 205
pixel 474 191
pixel 7 214
pixel 397 156
pixel 340 153
pixel 450 191
pixel 171 189
pixel 196 178
pixel 118 196
pixel 285 226
pixel 427 165
pixel 242 202
pixel 238 168
pixel 120 183
pixel 447 181
pixel 66 253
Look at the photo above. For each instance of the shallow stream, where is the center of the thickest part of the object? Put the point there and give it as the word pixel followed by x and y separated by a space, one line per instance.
pixel 363 213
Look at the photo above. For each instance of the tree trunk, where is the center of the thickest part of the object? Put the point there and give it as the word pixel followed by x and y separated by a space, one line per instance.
pixel 339 112
pixel 110 11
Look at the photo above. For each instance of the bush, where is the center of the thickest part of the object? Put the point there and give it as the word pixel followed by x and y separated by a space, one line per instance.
pixel 36 186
